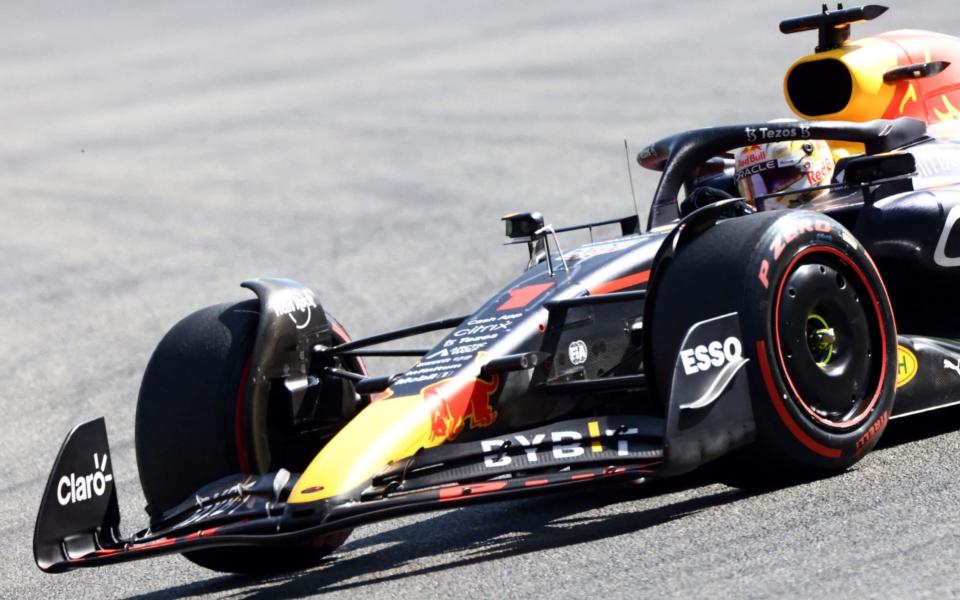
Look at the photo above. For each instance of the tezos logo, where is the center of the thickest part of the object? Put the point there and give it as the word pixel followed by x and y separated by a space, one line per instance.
pixel 73 488
pixel 577 352
pixel 707 356
pixel 755 134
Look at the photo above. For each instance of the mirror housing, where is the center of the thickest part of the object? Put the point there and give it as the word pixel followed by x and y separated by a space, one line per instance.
pixel 522 225
pixel 861 170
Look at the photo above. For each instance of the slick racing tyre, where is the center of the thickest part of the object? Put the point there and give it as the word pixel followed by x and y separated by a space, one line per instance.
pixel 187 421
pixel 816 323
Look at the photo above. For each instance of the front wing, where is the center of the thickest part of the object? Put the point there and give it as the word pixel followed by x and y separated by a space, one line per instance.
pixel 79 522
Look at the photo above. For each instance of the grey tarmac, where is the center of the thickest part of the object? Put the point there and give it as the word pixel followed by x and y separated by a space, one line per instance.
pixel 155 154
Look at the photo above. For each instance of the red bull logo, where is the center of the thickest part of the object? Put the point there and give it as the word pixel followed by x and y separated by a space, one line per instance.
pixel 456 401
pixel 750 155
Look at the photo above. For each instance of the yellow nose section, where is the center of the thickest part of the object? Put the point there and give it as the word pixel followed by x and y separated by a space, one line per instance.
pixel 383 432
pixel 396 427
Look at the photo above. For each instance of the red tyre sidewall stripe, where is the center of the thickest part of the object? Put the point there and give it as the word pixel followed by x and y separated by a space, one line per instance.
pixel 239 416
pixel 883 335
pixel 239 419
pixel 782 411
pixel 346 338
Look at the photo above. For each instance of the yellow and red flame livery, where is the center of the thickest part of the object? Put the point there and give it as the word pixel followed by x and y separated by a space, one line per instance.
pixel 848 83
pixel 454 403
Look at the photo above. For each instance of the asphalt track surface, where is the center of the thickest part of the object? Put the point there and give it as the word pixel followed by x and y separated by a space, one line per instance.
pixel 153 155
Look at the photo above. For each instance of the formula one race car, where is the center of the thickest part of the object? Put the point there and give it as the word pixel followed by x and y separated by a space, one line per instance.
pixel 261 440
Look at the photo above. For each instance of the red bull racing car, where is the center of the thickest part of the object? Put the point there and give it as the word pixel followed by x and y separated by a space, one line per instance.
pixel 262 440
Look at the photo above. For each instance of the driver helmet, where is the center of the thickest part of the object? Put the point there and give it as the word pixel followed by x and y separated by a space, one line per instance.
pixel 783 166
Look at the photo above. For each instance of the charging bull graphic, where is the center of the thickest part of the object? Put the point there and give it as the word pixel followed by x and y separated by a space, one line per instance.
pixel 456 400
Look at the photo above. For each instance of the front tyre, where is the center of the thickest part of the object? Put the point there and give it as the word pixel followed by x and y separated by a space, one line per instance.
pixel 189 430
pixel 816 325
pixel 825 343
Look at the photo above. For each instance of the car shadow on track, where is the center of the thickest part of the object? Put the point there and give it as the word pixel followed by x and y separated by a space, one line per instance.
pixel 474 535
pixel 922 426
pixel 507 529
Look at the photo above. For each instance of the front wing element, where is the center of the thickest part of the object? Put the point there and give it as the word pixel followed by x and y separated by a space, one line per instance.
pixel 78 523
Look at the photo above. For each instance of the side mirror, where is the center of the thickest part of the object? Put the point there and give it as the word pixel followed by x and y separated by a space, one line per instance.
pixel 700 197
pixel 865 169
pixel 522 225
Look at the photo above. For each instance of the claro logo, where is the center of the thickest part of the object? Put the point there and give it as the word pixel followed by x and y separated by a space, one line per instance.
pixel 707 356
pixel 75 488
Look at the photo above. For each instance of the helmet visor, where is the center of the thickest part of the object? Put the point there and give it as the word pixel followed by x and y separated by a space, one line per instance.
pixel 765 178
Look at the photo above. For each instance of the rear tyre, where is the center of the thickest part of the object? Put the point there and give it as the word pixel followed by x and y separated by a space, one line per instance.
pixel 817 326
pixel 187 428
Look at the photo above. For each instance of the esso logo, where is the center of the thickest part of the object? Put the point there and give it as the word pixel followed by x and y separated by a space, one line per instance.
pixel 708 356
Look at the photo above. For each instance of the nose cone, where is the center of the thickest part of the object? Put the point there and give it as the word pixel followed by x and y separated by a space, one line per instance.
pixel 393 428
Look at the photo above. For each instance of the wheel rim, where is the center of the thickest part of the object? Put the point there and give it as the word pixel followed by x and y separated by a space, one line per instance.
pixel 821 340
pixel 830 338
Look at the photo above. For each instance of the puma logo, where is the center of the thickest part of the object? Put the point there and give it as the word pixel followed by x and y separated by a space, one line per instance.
pixel 952 366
